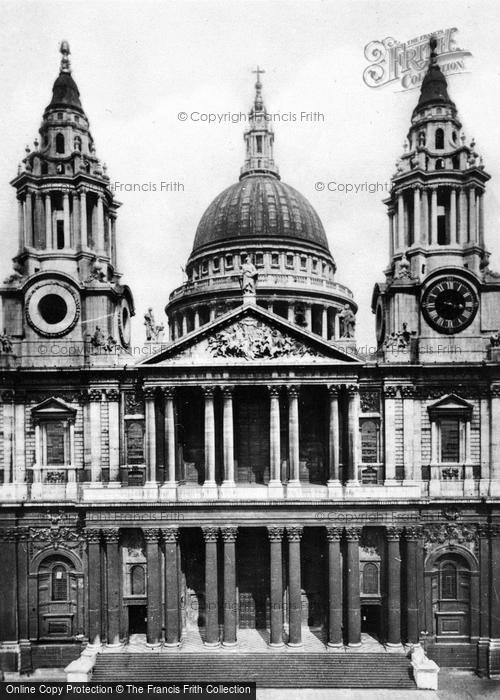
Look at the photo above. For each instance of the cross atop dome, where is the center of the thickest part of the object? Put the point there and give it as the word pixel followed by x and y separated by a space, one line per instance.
pixel 258 88
pixel 259 136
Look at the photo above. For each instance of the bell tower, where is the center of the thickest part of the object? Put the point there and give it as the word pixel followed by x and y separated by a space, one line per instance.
pixel 66 285
pixel 439 301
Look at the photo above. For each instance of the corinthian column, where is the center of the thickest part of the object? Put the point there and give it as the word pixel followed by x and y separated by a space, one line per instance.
pixel 149 396
pixel 276 538
pixel 294 535
pixel 228 435
pixel 333 436
pixel 293 437
pixel 275 438
pixel 353 431
pixel 416 215
pixel 209 436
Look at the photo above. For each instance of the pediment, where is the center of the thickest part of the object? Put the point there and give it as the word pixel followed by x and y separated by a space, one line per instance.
pixel 52 408
pixel 450 404
pixel 249 334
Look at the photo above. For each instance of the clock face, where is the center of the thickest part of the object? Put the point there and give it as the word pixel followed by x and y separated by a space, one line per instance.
pixel 449 304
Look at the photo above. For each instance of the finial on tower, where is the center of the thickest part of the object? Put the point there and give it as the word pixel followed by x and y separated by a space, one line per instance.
pixel 258 88
pixel 65 52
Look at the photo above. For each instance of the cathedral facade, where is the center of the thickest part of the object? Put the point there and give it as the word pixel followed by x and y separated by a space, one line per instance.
pixel 255 473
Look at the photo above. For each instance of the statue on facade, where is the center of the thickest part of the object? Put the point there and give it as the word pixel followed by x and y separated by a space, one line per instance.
pixel 248 277
pixel 5 343
pixel 399 340
pixel 403 268
pixel 347 320
pixel 97 272
pixel 154 331
pixel 100 343
pixel 495 340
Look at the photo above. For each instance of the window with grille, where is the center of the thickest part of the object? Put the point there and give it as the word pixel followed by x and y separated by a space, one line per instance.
pixel 55 437
pixel 137 580
pixel 370 579
pixel 449 582
pixel 59 583
pixel 450 440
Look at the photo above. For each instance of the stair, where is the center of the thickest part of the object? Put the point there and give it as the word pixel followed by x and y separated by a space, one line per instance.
pixel 297 670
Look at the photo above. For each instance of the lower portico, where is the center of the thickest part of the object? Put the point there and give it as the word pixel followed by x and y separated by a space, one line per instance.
pixel 282 580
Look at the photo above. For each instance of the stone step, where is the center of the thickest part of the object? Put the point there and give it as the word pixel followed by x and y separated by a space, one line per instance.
pixel 268 671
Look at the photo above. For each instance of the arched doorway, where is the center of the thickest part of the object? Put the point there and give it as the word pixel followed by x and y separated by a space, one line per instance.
pixel 59 589
pixel 451 598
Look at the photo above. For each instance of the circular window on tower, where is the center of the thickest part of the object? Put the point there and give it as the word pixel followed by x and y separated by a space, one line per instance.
pixel 52 308
pixel 124 323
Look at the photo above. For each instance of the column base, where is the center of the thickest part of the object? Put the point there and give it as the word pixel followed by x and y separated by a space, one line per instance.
pixel 434 487
pixel 170 645
pixel 295 646
pixel 334 488
pixel 211 645
pixel 117 645
pixel 275 488
pixel 230 645
pixel 331 646
pixel 210 490
pixel 228 489
pixel 92 649
pixel 168 491
pixel 294 489
pixel 494 489
pixel 393 645
pixel 153 645
pixel 354 645
pixel 276 645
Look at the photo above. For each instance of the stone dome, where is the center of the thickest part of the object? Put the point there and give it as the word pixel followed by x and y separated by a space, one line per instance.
pixel 259 206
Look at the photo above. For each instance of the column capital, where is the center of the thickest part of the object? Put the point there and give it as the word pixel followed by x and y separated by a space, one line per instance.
pixel 413 533
pixel 495 392
pixel 408 392
pixel 229 534
pixel 170 534
pixel 432 188
pixel 149 393
pixel 391 391
pixel 7 534
pixel 227 390
pixel 294 534
pixel 483 530
pixel 210 534
pixel 111 535
pixel 208 391
pixel 352 389
pixel 333 534
pixel 93 536
pixel 8 396
pixel 353 533
pixel 293 390
pixel 112 394
pixel 151 534
pixel 333 390
pixel 95 395
pixel 416 187
pixel 168 392
pixel 495 529
pixel 274 390
pixel 393 534
pixel 275 534
pixel 23 534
